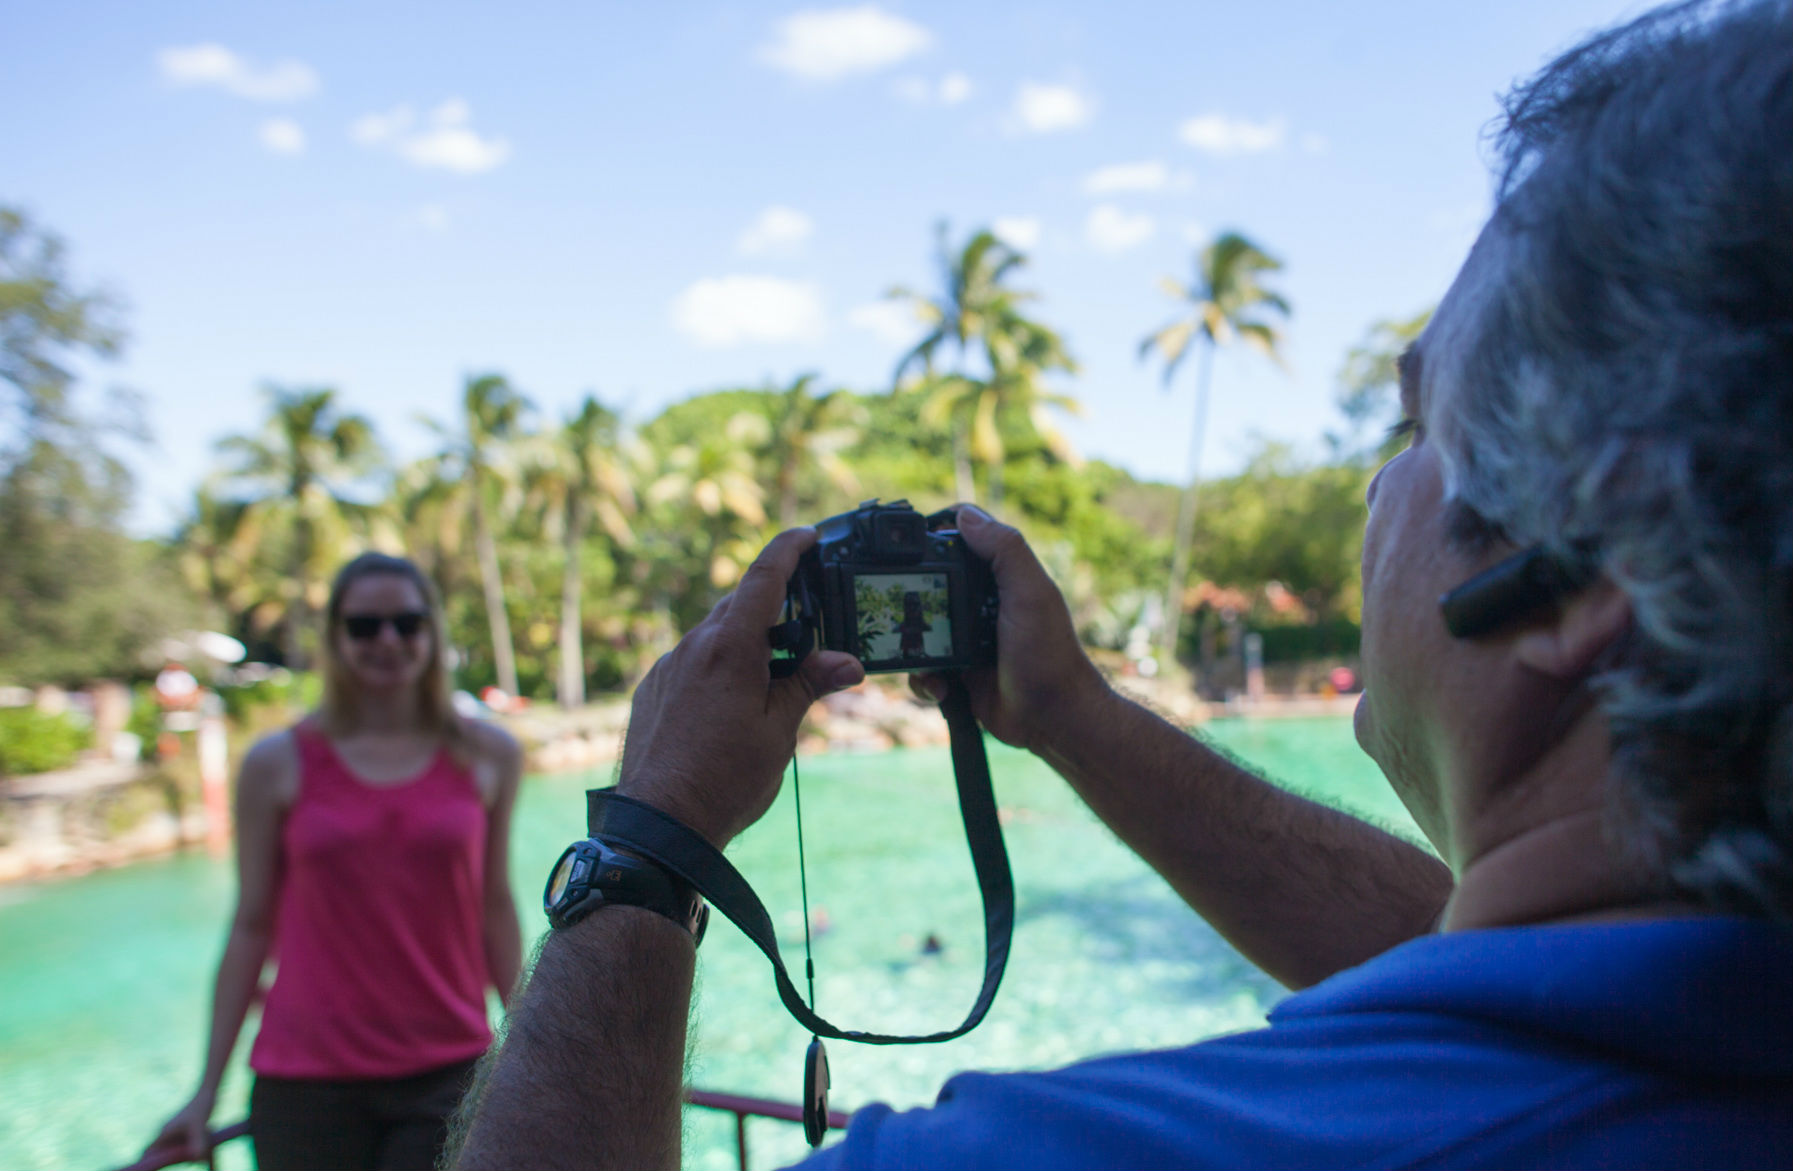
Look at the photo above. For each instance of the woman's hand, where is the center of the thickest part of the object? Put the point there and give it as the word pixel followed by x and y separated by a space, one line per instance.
pixel 710 730
pixel 189 1133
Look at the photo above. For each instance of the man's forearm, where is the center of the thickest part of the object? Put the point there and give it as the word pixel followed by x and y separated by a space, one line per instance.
pixel 590 1073
pixel 1302 890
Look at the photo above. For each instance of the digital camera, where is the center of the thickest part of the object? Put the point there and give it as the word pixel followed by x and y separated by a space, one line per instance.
pixel 897 590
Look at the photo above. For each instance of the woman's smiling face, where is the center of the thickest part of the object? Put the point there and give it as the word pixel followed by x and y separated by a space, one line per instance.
pixel 390 660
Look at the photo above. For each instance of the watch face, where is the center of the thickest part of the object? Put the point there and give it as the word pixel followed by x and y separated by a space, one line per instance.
pixel 563 874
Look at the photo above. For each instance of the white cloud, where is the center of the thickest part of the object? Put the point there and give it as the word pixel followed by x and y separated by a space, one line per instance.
pixel 1147 176
pixel 741 310
pixel 1045 109
pixel 455 148
pixel 777 229
pixel 1221 135
pixel 1197 233
pixel 827 44
pixel 213 64
pixel 445 142
pixel 282 136
pixel 453 112
pixel 1315 144
pixel 1112 229
pixel 374 129
pixel 1019 232
pixel 890 321
pixel 950 90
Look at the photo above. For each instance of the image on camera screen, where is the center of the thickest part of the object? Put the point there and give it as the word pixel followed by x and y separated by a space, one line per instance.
pixel 903 617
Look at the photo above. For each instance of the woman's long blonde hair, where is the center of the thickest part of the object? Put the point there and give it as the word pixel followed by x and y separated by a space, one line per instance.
pixel 336 714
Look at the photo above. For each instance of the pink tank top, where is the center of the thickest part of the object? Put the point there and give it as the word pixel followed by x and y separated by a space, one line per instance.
pixel 382 970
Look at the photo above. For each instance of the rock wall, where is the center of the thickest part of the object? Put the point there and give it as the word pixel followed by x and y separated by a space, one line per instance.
pixel 92 816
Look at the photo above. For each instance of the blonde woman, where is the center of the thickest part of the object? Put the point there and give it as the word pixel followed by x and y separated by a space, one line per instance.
pixel 373 864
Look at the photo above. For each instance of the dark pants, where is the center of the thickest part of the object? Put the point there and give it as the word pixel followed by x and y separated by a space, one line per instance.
pixel 397 1124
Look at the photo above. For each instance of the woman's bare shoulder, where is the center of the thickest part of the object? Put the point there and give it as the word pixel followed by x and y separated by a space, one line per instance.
pixel 271 767
pixel 494 743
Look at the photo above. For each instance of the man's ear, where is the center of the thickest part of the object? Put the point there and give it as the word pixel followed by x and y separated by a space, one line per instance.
pixel 1584 625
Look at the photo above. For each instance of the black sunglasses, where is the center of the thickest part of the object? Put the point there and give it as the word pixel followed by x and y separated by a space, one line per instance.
pixel 363 627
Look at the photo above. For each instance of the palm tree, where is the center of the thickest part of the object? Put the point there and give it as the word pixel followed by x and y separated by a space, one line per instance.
pixel 1020 353
pixel 716 475
pixel 222 558
pixel 1225 303
pixel 296 479
pixel 972 298
pixel 811 429
pixel 587 475
pixel 475 464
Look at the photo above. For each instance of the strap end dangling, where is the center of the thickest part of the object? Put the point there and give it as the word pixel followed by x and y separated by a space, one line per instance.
pixel 815 1093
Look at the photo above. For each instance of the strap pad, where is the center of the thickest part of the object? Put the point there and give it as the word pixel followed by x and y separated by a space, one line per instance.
pixel 640 827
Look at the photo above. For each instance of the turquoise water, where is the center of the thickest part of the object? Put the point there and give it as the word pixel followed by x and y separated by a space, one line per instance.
pixel 105 979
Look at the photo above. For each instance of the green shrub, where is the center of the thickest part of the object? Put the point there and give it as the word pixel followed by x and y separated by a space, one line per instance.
pixel 33 742
pixel 288 693
pixel 146 719
pixel 1336 638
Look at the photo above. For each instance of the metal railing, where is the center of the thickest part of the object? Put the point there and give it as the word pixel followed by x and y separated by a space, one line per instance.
pixel 744 1108
pixel 741 1106
pixel 155 1161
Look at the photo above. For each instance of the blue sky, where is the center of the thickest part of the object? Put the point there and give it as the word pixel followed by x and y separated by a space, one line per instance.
pixel 647 201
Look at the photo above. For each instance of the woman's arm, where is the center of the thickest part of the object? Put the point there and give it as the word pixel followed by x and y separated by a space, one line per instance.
pixel 266 785
pixel 501 934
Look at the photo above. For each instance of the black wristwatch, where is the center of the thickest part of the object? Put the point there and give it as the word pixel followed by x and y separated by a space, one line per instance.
pixel 591 873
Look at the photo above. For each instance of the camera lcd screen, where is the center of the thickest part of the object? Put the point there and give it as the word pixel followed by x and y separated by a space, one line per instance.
pixel 903 617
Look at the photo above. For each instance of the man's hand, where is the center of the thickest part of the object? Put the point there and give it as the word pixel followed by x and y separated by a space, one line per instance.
pixel 1042 675
pixel 710 730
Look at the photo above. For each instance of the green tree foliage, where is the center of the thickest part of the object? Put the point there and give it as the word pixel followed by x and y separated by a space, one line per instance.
pixel 1012 399
pixel 36 742
pixel 568 557
pixel 45 324
pixel 978 314
pixel 78 598
pixel 709 489
pixel 808 434
pixel 1297 524
pixel 305 487
pixel 1226 302
pixel 1370 387
pixel 475 479
pixel 700 475
pixel 584 473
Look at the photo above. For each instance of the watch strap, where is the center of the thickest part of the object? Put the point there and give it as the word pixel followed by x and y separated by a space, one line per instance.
pixel 615 877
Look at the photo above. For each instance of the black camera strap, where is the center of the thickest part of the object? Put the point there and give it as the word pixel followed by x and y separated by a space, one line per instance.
pixel 633 825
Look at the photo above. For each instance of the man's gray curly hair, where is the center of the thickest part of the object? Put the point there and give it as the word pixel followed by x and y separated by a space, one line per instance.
pixel 1628 403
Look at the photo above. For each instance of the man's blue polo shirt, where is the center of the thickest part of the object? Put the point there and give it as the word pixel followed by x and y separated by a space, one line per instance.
pixel 1666 1043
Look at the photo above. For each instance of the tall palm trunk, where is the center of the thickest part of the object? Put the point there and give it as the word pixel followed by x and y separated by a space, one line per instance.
pixel 572 648
pixel 503 656
pixel 787 493
pixel 1185 536
pixel 298 615
pixel 993 483
pixel 963 480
